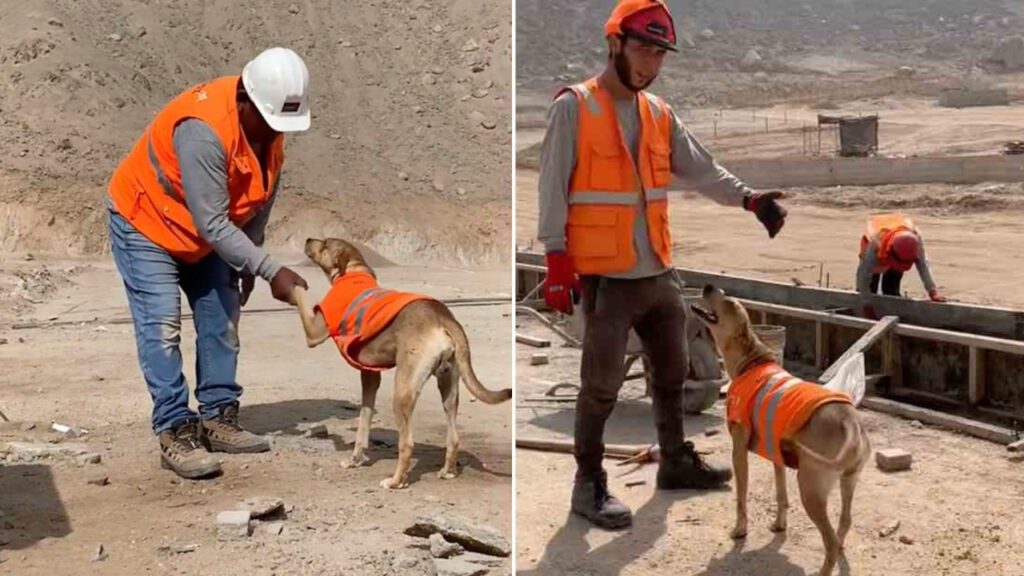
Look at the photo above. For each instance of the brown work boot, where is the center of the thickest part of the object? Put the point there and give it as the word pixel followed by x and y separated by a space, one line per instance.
pixel 182 452
pixel 223 434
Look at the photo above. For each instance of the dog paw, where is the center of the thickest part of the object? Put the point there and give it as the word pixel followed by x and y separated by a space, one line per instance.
pixel 446 475
pixel 391 485
pixel 738 533
pixel 778 526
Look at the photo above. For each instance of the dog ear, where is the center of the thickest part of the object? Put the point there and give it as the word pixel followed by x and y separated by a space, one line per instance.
pixel 342 258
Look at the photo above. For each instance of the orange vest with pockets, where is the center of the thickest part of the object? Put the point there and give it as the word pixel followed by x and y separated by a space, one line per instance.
pixel 356 310
pixel 607 188
pixel 146 189
pixel 885 227
pixel 773 404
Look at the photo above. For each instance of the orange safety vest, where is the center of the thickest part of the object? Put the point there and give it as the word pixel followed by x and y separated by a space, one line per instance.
pixel 773 404
pixel 356 310
pixel 884 227
pixel 146 188
pixel 606 188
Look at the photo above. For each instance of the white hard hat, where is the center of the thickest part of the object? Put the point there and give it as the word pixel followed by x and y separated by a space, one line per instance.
pixel 277 82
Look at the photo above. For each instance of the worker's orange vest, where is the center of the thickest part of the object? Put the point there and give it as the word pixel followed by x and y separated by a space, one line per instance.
pixel 146 189
pixel 773 404
pixel 607 188
pixel 356 310
pixel 885 227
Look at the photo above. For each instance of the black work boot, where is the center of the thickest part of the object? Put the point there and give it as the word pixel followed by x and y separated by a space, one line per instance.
pixel 182 452
pixel 686 470
pixel 223 434
pixel 591 499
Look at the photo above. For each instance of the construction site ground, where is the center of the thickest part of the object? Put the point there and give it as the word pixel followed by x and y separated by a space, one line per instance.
pixel 338 520
pixel 958 507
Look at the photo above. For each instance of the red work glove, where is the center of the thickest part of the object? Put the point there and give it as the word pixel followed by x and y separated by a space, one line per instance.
pixel 936 297
pixel 765 206
pixel 561 286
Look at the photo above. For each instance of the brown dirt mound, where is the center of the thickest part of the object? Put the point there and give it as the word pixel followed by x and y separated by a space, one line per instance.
pixel 402 92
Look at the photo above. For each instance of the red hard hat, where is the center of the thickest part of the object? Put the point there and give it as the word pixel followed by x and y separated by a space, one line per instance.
pixel 905 248
pixel 645 20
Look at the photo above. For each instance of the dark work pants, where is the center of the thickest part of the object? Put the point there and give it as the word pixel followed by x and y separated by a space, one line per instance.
pixel 890 280
pixel 653 307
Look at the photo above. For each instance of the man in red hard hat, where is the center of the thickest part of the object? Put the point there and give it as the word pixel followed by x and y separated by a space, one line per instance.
pixel 608 158
pixel 890 246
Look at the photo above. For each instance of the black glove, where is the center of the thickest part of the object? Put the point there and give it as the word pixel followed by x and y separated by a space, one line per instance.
pixel 765 206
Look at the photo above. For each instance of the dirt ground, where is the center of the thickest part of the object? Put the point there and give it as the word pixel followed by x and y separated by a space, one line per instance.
pixel 339 521
pixel 959 505
pixel 970 251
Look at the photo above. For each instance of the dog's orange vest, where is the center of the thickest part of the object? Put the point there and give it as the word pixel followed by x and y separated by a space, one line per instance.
pixel 773 404
pixel 356 310
pixel 885 227
pixel 146 188
pixel 606 189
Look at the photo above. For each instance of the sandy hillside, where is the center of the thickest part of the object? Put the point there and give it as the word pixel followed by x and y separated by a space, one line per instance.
pixel 402 92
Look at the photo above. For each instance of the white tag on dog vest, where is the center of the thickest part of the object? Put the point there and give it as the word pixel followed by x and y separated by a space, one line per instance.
pixel 850 379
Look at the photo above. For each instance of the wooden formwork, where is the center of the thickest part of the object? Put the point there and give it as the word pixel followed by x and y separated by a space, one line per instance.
pixel 956 359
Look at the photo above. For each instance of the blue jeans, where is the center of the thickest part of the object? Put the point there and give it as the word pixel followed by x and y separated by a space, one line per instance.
pixel 152 279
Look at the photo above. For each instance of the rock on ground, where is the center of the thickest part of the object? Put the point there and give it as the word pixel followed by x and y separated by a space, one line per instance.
pixel 474 538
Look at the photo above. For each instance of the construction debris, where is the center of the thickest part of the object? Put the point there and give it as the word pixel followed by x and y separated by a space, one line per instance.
pixel 458 567
pixel 1013 147
pixel 893 460
pixel 441 548
pixel 262 506
pixel 472 537
pixel 98 480
pixel 531 341
pixel 89 459
pixel 889 530
pixel 100 555
pixel 233 524
pixel 317 430
pixel 538 359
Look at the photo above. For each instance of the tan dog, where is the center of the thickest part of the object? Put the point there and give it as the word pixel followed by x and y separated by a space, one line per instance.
pixel 421 340
pixel 826 442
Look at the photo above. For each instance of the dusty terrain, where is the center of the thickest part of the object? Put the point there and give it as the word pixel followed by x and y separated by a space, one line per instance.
pixel 959 504
pixel 338 520
pixel 401 95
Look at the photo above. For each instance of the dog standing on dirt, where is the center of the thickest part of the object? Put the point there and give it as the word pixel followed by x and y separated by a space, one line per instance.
pixel 793 423
pixel 377 329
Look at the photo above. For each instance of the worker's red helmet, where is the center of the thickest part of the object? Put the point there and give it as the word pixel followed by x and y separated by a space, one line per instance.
pixel 905 248
pixel 644 20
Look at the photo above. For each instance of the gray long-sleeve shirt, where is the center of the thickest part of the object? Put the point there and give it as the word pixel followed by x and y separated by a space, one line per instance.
pixel 691 163
pixel 203 164
pixel 869 265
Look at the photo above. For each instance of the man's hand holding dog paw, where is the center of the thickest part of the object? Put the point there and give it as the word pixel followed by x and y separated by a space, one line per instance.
pixel 766 207
pixel 283 284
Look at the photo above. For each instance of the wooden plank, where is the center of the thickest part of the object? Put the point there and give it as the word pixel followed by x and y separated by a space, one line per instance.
pixel 566 447
pixel 965 425
pixel 822 344
pixel 880 329
pixel 976 372
pixel 892 361
pixel 986 320
pixel 1015 347
pixel 531 341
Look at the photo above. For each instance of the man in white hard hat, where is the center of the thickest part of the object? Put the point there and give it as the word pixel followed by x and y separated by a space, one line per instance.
pixel 188 207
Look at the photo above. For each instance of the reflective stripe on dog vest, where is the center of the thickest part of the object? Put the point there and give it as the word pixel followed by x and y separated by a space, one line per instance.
pixel 774 405
pixel 356 310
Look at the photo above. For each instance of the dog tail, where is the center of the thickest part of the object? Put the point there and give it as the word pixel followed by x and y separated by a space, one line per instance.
pixel 847 452
pixel 462 360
